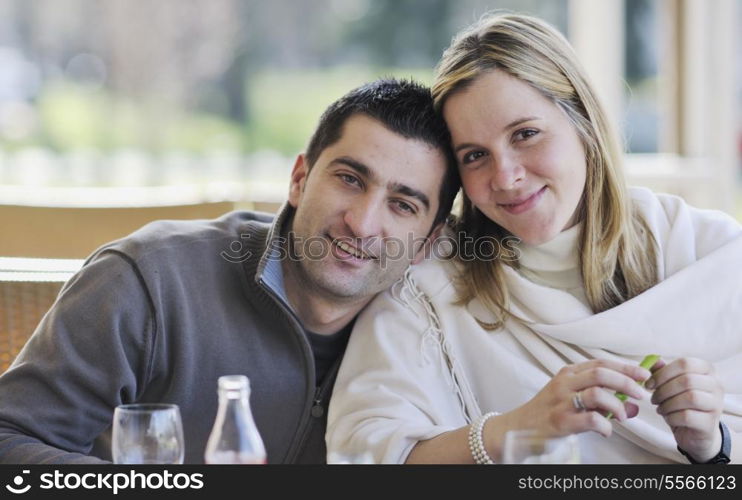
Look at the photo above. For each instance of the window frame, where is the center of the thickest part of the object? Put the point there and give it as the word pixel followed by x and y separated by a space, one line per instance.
pixel 697 155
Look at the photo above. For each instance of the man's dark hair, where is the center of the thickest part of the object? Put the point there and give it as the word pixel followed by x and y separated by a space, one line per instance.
pixel 405 108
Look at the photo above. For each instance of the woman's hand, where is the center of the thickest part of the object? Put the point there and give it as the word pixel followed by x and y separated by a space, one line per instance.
pixel 556 409
pixel 690 399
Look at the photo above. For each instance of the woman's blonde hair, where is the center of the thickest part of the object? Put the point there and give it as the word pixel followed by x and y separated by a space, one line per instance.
pixel 617 251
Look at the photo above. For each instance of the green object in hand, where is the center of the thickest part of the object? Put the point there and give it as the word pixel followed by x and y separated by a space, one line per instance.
pixel 647 363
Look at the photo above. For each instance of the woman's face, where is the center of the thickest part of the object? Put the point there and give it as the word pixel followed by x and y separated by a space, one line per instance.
pixel 521 161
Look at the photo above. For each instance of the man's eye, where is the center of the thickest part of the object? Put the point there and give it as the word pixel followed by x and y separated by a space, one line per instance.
pixel 349 179
pixel 405 207
pixel 472 156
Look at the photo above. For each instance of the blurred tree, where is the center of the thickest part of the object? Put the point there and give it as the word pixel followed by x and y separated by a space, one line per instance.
pixel 402 32
pixel 142 73
pixel 641 46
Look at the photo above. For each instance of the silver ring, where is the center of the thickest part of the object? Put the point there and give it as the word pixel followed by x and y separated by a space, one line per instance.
pixel 577 401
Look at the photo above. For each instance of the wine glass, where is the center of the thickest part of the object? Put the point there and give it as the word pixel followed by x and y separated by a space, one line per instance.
pixel 147 434
pixel 533 447
pixel 365 458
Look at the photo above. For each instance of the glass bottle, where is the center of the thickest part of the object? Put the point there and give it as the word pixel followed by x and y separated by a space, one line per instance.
pixel 234 438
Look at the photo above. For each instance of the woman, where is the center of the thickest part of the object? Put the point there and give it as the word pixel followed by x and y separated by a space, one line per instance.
pixel 542 334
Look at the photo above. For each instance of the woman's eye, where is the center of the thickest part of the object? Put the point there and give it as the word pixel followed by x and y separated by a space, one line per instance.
pixel 526 133
pixel 472 156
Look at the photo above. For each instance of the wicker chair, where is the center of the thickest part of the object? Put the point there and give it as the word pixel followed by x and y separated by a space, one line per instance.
pixel 28 288
pixel 75 232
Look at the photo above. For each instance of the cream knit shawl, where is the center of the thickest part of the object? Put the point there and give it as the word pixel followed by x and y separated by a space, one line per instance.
pixel 413 356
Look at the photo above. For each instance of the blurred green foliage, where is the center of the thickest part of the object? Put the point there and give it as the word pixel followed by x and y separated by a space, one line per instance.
pixel 283 108
pixel 283 124
pixel 74 116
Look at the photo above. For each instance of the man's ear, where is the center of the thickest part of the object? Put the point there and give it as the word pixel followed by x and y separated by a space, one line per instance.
pixel 425 248
pixel 298 178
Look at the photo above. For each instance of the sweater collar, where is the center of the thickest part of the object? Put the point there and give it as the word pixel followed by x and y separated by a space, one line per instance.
pixel 559 254
pixel 556 263
pixel 270 271
pixel 265 245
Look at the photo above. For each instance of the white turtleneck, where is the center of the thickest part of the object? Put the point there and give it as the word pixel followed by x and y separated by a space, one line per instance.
pixel 556 263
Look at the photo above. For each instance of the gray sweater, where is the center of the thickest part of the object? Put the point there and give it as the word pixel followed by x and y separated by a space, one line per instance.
pixel 157 317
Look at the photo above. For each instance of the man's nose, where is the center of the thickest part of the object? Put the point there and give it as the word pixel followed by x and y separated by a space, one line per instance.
pixel 365 216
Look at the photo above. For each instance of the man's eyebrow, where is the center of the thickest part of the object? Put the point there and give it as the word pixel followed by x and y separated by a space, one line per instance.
pixel 395 187
pixel 403 189
pixel 357 166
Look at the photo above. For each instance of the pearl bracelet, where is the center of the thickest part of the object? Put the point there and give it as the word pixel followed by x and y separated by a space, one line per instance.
pixel 476 443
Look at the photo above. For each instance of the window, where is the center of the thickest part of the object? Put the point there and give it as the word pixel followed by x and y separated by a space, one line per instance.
pixel 668 77
pixel 215 97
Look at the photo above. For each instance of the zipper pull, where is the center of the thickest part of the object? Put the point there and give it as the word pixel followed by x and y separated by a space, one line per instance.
pixel 317 409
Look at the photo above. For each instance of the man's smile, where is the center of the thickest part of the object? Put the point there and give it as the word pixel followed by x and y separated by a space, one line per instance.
pixel 349 250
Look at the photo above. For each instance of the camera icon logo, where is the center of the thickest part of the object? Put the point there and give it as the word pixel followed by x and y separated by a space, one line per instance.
pixel 18 481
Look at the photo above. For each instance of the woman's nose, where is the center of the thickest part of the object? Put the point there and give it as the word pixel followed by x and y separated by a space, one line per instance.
pixel 506 172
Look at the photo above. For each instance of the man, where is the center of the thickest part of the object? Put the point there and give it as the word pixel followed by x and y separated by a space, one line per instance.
pixel 160 315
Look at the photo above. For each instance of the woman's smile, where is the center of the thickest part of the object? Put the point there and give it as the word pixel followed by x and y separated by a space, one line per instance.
pixel 523 204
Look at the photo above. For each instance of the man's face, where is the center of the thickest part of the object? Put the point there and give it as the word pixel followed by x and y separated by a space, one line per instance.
pixel 364 211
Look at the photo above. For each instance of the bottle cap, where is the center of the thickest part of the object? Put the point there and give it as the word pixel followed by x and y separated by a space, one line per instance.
pixel 233 382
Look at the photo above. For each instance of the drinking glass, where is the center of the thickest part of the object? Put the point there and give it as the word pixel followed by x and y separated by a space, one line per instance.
pixel 533 447
pixel 147 434
pixel 365 458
